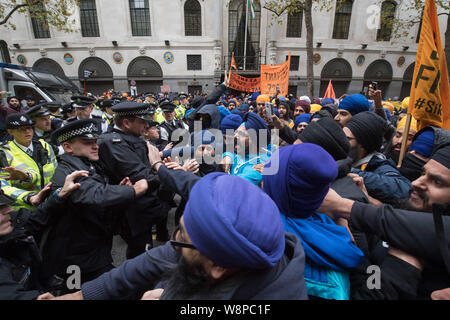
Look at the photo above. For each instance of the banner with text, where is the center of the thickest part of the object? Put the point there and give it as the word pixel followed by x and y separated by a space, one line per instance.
pixel 275 76
pixel 430 95
pixel 244 84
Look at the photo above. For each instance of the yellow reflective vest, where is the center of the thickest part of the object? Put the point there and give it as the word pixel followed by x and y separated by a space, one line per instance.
pixel 41 172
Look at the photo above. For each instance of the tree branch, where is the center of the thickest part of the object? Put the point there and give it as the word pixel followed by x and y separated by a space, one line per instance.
pixel 12 11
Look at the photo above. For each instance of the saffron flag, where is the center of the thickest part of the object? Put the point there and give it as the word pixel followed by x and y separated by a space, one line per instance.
pixel 429 100
pixel 233 64
pixel 273 77
pixel 330 92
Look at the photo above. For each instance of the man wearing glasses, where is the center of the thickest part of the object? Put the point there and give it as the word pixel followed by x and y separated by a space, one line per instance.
pixel 222 250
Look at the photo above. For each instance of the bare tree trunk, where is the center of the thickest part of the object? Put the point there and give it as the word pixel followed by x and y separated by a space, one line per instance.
pixel 309 48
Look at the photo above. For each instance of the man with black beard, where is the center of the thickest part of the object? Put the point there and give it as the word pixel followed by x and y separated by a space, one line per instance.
pixel 393 149
pixel 383 181
pixel 417 261
pixel 222 250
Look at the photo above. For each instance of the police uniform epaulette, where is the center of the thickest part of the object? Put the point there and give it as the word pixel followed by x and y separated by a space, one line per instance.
pixel 71 119
pixel 116 138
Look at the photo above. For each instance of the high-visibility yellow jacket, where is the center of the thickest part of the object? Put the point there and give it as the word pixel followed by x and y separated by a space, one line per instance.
pixel 41 172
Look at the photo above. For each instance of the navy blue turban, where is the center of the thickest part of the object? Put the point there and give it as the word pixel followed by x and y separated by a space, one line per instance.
pixel 253 121
pixel 303 179
pixel 244 231
pixel 232 121
pixel 354 103
pixel 304 117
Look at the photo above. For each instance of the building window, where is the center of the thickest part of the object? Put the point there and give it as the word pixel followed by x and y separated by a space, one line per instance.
pixel 194 62
pixel 342 19
pixel 387 20
pixel 192 18
pixel 295 62
pixel 244 44
pixel 88 19
pixel 294 25
pixel 140 18
pixel 40 25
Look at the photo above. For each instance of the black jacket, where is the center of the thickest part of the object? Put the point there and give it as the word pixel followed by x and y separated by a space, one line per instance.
pixel 409 231
pixel 124 155
pixel 19 254
pixel 285 281
pixel 82 233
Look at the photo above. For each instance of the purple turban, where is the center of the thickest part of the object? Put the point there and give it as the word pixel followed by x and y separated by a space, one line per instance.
pixel 303 179
pixel 244 232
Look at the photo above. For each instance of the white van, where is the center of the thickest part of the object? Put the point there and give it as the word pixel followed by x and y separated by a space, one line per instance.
pixel 43 86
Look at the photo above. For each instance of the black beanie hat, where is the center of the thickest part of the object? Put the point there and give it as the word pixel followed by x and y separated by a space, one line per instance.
pixel 442 155
pixel 329 135
pixel 368 129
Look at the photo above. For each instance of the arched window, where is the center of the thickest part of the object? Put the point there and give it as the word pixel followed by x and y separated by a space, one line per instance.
pixel 4 52
pixel 387 20
pixel 192 18
pixel 88 19
pixel 242 40
pixel 342 19
pixel 294 25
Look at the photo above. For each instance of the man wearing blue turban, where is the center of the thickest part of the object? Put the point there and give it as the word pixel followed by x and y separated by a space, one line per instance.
pixel 252 150
pixel 302 182
pixel 227 250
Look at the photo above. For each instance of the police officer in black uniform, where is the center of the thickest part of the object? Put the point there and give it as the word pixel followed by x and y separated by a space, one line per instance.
pixel 84 106
pixel 43 125
pixel 124 153
pixel 82 234
pixel 170 124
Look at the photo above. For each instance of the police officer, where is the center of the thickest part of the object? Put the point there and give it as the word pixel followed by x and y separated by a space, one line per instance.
pixel 82 234
pixel 108 114
pixel 55 114
pixel 19 234
pixel 124 153
pixel 170 124
pixel 27 165
pixel 67 111
pixel 41 117
pixel 83 107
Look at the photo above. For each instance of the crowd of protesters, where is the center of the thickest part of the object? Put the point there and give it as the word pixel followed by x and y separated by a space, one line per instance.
pixel 282 197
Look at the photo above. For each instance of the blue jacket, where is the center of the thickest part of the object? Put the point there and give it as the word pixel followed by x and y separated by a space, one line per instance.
pixel 383 181
pixel 285 281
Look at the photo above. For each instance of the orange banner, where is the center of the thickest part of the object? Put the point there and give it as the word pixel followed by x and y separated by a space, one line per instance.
pixel 244 84
pixel 273 76
pixel 429 100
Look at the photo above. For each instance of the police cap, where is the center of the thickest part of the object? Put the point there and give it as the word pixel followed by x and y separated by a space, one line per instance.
pixel 167 106
pixel 84 128
pixel 82 101
pixel 17 120
pixel 132 109
pixel 38 111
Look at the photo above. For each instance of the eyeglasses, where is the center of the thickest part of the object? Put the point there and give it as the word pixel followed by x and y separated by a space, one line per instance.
pixel 181 244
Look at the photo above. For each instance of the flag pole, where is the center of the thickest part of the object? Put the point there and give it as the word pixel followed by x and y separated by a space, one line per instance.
pixel 245 38
pixel 404 139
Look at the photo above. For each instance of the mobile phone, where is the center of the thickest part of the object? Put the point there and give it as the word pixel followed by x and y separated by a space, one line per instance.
pixel 374 85
pixel 268 107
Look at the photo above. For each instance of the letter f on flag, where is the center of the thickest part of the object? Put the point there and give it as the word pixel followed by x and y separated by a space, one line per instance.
pixel 430 94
